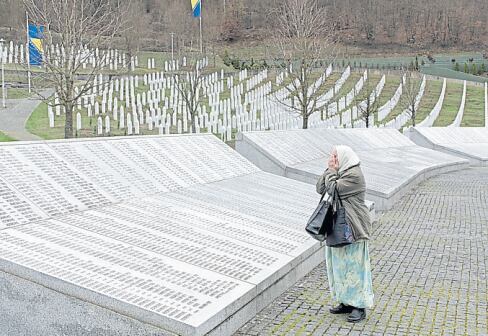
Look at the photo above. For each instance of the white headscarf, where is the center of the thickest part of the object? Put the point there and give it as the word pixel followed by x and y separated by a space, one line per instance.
pixel 346 157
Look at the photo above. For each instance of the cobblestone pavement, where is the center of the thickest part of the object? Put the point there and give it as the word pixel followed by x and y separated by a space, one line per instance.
pixel 429 257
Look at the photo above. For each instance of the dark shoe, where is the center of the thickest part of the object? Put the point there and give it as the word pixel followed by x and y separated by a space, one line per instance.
pixel 341 309
pixel 357 314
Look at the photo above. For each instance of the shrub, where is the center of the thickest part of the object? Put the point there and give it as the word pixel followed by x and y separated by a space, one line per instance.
pixel 474 69
pixel 226 58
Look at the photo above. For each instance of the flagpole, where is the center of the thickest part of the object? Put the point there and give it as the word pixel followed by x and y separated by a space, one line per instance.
pixel 201 33
pixel 28 52
pixel 3 60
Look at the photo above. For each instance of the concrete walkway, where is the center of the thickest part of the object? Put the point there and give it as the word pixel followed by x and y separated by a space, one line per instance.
pixel 14 117
pixel 429 256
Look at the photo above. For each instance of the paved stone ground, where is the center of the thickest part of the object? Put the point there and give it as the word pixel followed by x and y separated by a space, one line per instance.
pixel 14 117
pixel 429 257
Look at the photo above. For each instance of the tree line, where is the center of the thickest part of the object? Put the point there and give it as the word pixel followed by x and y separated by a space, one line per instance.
pixel 364 23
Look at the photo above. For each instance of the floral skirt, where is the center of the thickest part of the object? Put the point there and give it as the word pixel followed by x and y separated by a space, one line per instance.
pixel 349 274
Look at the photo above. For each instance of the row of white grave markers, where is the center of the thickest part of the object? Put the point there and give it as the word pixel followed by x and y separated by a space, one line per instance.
pixel 89 101
pixel 343 102
pixel 277 119
pixel 245 123
pixel 174 65
pixel 432 116
pixel 251 105
pixel 405 116
pixel 459 116
pixel 325 98
pixel 384 110
pixel 315 119
pixel 13 53
pixel 352 116
pixel 86 57
pixel 111 58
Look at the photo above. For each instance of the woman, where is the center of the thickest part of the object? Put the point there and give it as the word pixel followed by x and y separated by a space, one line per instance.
pixel 348 268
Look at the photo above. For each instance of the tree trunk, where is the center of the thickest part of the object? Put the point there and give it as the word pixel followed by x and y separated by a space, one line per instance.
pixel 68 126
pixel 305 122
pixel 193 127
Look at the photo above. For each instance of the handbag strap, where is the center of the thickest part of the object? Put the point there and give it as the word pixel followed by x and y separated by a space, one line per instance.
pixel 323 195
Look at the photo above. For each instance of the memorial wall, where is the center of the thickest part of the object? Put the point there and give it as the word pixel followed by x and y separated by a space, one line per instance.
pixel 391 163
pixel 470 143
pixel 177 231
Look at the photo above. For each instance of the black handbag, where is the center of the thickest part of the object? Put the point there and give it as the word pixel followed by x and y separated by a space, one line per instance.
pixel 317 224
pixel 341 232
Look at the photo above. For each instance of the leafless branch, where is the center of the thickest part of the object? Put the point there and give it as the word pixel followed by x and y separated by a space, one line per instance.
pixel 82 31
pixel 304 38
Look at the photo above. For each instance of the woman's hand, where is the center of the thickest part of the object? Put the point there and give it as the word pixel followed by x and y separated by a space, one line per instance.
pixel 333 163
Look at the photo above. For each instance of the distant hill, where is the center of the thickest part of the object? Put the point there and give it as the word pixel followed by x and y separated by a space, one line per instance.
pixel 414 24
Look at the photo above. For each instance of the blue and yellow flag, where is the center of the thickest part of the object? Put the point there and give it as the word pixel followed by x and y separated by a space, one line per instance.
pixel 35 44
pixel 196 6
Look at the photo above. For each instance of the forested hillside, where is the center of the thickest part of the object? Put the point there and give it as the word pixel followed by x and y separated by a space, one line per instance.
pixel 365 23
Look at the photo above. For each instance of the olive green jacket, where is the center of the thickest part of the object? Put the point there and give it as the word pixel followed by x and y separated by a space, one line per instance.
pixel 352 188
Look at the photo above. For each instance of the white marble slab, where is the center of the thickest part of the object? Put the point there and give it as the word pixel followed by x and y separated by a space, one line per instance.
pixel 390 162
pixel 467 142
pixel 178 231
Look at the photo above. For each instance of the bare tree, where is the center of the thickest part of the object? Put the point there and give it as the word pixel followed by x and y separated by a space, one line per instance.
pixel 304 40
pixel 369 105
pixel 188 87
pixel 83 30
pixel 408 100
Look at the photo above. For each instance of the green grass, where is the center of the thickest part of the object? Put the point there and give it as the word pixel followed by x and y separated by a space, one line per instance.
pixel 391 85
pixel 403 103
pixel 449 73
pixel 18 93
pixel 450 108
pixel 38 124
pixel 474 111
pixel 4 137
pixel 431 96
pixel 368 87
pixel 443 66
pixel 348 85
pixel 329 83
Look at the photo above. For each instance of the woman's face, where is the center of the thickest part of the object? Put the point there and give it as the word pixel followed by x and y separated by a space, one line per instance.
pixel 334 155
